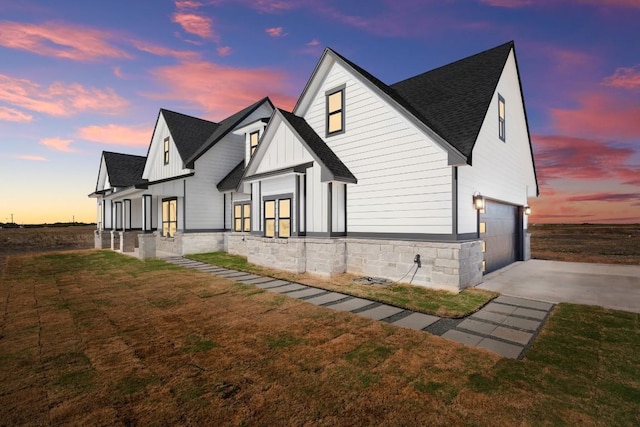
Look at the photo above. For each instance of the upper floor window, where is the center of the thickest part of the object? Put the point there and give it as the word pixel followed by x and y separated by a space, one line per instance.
pixel 335 111
pixel 166 151
pixel 501 119
pixel 253 141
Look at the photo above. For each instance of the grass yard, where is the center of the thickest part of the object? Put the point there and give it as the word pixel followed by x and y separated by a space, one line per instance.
pixel 97 338
pixel 606 243
pixel 417 298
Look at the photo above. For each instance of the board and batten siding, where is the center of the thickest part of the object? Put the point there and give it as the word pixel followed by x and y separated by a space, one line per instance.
pixel 284 150
pixel 155 169
pixel 404 180
pixel 501 170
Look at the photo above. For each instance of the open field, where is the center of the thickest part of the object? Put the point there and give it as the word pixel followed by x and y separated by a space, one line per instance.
pixel 595 243
pixel 97 338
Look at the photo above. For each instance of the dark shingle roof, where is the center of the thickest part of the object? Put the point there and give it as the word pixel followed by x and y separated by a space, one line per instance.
pixel 455 98
pixel 232 180
pixel 224 127
pixel 320 148
pixel 124 170
pixel 188 132
pixel 451 100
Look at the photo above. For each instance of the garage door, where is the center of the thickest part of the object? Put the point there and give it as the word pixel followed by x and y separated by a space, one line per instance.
pixel 499 232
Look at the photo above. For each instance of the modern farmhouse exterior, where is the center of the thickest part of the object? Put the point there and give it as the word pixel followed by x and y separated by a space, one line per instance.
pixel 431 173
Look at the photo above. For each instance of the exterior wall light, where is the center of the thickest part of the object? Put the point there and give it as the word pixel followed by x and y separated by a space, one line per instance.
pixel 478 201
pixel 527 210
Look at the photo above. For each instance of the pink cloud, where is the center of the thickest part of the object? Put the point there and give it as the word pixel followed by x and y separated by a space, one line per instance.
pixel 58 144
pixel 271 6
pixel 600 115
pixel 134 136
pixel 60 40
pixel 196 24
pixel 59 99
pixel 12 115
pixel 314 42
pixel 224 50
pixel 275 32
pixel 187 4
pixel 563 157
pixel 158 50
pixel 606 197
pixel 625 77
pixel 221 90
pixel 30 157
pixel 118 72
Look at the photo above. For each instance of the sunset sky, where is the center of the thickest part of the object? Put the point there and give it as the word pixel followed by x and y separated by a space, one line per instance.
pixel 80 77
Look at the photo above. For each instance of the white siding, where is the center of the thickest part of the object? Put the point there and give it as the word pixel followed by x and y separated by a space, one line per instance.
pixel 205 204
pixel 501 170
pixel 401 172
pixel 155 169
pixel 317 200
pixel 337 207
pixel 284 150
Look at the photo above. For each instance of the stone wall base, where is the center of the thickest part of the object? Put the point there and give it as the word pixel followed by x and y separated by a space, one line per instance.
pixel 236 243
pixel 451 266
pixel 146 245
pixel 102 239
pixel 526 255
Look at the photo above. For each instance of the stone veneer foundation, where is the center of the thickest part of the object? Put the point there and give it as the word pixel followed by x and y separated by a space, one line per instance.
pixel 451 265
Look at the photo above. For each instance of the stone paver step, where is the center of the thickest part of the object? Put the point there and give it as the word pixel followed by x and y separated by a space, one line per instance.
pixel 416 321
pixel 505 326
pixel 351 304
pixel 380 312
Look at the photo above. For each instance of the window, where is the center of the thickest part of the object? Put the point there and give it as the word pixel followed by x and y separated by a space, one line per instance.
pixel 335 111
pixel 253 141
pixel 270 218
pixel 242 217
pixel 281 217
pixel 501 119
pixel 169 217
pixel 166 151
pixel 284 218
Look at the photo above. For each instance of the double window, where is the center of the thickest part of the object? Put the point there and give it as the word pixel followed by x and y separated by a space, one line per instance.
pixel 501 119
pixel 335 111
pixel 242 217
pixel 166 151
pixel 253 141
pixel 169 217
pixel 277 218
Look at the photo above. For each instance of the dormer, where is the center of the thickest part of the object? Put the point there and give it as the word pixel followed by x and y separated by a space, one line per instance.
pixel 252 133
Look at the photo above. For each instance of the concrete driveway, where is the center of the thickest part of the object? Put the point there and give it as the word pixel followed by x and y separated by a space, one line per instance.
pixel 606 285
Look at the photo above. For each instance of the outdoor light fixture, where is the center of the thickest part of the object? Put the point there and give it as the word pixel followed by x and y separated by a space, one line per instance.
pixel 527 210
pixel 478 201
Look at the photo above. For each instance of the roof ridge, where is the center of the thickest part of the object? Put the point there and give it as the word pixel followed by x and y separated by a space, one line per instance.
pixel 187 115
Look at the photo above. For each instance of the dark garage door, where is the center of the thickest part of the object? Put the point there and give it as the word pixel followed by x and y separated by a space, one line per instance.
pixel 499 231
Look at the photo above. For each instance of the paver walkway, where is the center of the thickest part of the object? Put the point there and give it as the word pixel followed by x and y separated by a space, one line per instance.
pixel 506 326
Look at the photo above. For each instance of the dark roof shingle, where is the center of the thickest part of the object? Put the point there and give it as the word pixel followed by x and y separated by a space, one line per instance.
pixel 124 170
pixel 320 148
pixel 232 180
pixel 453 99
pixel 189 133
pixel 224 127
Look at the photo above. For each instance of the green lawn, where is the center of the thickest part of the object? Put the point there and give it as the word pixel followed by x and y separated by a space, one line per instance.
pixel 416 298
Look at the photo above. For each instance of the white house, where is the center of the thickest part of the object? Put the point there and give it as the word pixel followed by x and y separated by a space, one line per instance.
pixel 427 178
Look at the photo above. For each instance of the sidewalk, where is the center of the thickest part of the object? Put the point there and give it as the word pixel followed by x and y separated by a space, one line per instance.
pixel 506 326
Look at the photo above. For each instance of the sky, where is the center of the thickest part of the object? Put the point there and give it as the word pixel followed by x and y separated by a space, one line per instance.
pixel 79 77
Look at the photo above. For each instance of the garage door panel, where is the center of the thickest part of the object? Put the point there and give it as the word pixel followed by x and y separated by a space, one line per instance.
pixel 500 236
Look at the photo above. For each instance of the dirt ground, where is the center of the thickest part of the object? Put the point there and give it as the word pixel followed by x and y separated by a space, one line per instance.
pixel 594 243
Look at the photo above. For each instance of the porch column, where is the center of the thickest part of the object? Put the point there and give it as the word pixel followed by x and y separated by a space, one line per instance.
pixel 147 211
pixel 126 215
